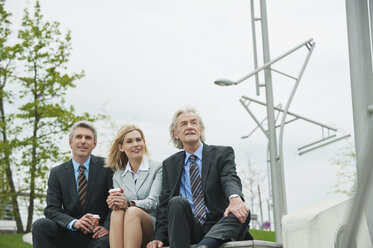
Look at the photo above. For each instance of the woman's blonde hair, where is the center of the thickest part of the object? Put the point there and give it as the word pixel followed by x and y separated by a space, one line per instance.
pixel 116 159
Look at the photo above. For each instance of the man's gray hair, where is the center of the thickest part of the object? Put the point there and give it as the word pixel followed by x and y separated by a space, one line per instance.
pixel 85 124
pixel 173 126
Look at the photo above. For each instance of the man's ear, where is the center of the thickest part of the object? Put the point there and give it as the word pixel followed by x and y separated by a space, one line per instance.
pixel 175 134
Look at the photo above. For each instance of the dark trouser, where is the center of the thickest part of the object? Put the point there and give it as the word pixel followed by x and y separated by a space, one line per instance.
pixel 47 234
pixel 184 229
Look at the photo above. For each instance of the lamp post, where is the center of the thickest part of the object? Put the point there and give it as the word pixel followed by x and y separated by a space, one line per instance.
pixel 277 174
pixel 275 155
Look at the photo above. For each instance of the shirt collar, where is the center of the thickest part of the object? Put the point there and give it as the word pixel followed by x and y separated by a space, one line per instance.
pixel 144 166
pixel 86 164
pixel 197 153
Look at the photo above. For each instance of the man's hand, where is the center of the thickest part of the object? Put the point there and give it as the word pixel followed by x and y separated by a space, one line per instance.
pixel 85 223
pixel 117 200
pixel 238 208
pixel 155 244
pixel 99 232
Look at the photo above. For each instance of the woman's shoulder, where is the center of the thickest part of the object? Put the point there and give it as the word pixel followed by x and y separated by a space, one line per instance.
pixel 118 173
pixel 154 164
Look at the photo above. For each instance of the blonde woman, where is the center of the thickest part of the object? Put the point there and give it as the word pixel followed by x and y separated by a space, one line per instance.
pixel 140 179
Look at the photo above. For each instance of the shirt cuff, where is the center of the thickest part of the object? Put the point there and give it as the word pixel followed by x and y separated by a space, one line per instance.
pixel 70 225
pixel 233 195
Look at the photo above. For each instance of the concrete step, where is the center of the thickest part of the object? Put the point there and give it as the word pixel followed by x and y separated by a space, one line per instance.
pixel 252 243
pixel 27 238
pixel 8 226
pixel 249 244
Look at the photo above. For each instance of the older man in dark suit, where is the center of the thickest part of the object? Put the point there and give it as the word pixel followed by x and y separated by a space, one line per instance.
pixel 201 198
pixel 77 190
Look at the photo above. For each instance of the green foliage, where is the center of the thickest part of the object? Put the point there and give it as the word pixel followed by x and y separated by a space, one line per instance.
pixel 263 235
pixel 345 160
pixel 42 117
pixel 13 241
pixel 8 140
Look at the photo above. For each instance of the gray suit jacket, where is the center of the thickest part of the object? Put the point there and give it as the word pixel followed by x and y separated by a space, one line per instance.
pixel 62 196
pixel 147 190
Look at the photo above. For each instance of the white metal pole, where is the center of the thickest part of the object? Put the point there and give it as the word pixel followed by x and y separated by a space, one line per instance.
pixel 361 76
pixel 278 185
pixel 253 31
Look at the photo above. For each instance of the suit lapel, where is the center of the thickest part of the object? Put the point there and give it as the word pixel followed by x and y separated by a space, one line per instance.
pixel 175 173
pixel 206 163
pixel 128 183
pixel 141 178
pixel 70 182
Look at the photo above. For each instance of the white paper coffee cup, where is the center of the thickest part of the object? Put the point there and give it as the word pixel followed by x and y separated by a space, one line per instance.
pixel 112 191
pixel 96 219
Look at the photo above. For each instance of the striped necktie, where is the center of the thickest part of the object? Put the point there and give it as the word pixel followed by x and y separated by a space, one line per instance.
pixel 82 186
pixel 196 187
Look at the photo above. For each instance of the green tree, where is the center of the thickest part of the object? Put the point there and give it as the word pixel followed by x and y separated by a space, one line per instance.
pixel 31 130
pixel 44 114
pixel 345 160
pixel 8 56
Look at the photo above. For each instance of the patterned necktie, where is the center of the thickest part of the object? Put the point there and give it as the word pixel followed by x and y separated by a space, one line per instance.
pixel 82 186
pixel 196 187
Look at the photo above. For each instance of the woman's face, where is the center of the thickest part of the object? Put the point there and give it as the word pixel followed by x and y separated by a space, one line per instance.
pixel 133 145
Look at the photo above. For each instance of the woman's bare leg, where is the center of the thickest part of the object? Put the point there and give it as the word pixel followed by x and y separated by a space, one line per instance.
pixel 138 227
pixel 116 228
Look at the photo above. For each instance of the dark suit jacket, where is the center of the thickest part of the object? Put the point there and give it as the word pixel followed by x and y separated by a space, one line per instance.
pixel 219 181
pixel 62 197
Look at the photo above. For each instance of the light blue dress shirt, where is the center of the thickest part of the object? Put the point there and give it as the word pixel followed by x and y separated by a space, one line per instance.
pixel 76 172
pixel 185 188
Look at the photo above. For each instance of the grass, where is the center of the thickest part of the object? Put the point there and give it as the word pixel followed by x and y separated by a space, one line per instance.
pixel 13 241
pixel 263 235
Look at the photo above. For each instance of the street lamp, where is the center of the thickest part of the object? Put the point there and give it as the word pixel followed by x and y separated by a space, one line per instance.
pixel 277 171
pixel 277 175
pixel 225 82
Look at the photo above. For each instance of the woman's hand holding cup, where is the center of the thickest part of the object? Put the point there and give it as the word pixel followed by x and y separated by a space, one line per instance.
pixel 116 199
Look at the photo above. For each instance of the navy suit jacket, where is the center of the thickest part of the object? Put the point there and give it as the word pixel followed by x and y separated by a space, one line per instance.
pixel 219 181
pixel 62 198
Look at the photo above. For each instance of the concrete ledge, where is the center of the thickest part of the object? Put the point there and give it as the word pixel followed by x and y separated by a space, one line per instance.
pixel 249 244
pixel 27 238
pixel 252 243
pixel 8 226
pixel 320 225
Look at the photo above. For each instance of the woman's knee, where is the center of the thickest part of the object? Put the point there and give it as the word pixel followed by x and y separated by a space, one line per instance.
pixel 117 215
pixel 134 213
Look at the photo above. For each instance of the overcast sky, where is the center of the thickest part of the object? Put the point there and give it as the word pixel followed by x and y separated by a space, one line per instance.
pixel 145 59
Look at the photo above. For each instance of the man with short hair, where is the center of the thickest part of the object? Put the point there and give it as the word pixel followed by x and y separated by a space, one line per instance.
pixel 77 190
pixel 201 199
